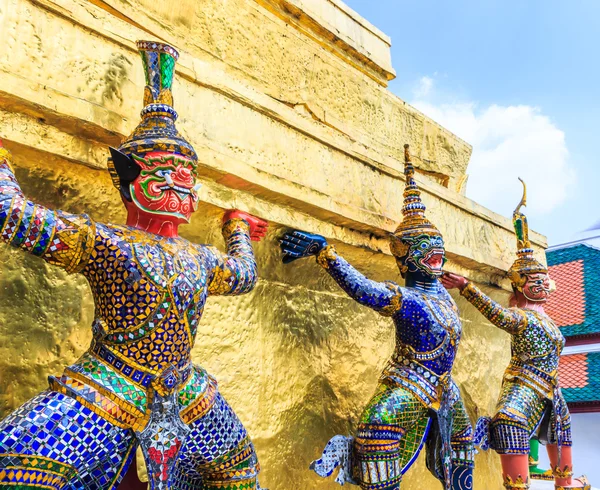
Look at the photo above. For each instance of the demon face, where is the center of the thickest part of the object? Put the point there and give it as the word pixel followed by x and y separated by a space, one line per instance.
pixel 166 185
pixel 425 254
pixel 537 287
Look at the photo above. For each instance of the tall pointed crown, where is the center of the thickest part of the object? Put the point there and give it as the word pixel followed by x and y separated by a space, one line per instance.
pixel 414 222
pixel 156 131
pixel 526 263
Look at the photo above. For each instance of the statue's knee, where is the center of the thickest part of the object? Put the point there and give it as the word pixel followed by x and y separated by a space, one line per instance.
pixel 379 432
pixel 462 435
pixel 501 421
pixel 509 436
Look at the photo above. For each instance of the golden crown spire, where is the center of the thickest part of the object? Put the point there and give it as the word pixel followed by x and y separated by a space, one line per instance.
pixel 414 222
pixel 520 221
pixel 526 262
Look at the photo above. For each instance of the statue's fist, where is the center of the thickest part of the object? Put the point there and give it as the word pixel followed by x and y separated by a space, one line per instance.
pixel 451 281
pixel 258 227
pixel 297 244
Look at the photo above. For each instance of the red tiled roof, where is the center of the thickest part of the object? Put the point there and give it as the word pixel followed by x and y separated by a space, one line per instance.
pixel 566 306
pixel 573 371
pixel 579 376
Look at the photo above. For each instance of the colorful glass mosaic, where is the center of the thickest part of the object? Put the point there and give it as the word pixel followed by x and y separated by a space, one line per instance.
pixel 136 385
pixel 531 403
pixel 531 378
pixel 417 403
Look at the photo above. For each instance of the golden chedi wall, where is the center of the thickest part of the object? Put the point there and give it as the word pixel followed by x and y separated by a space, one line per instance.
pixel 286 104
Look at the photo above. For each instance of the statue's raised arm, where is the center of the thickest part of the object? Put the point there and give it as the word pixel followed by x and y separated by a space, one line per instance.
pixel 235 271
pixel 511 320
pixel 383 297
pixel 62 239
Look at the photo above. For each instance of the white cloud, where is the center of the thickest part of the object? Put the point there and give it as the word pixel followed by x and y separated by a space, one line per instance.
pixel 509 142
pixel 423 87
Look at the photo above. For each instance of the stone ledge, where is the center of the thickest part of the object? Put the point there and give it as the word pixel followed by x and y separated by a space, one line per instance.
pixel 319 85
pixel 480 241
pixel 342 31
pixel 89 97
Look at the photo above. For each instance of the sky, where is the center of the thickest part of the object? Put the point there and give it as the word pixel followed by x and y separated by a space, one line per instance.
pixel 520 81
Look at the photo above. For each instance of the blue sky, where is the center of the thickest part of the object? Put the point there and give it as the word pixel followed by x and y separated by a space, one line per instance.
pixel 520 81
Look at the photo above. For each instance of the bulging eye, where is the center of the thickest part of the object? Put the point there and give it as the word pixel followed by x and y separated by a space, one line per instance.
pixel 424 245
pixel 163 173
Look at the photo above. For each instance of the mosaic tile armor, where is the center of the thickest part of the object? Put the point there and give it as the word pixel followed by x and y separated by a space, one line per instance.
pixel 531 402
pixel 530 388
pixel 417 403
pixel 136 385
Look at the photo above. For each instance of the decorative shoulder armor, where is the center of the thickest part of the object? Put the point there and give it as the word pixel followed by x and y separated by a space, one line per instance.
pixel 73 242
pixel 396 300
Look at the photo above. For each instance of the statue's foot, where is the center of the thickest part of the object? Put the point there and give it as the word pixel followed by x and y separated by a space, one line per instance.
pixel 538 474
pixel 581 482
pixel 337 452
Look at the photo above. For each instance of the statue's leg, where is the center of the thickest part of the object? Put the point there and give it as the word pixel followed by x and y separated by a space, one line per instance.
pixel 391 413
pixel 54 442
pixel 463 450
pixel 519 412
pixel 563 469
pixel 535 472
pixel 218 454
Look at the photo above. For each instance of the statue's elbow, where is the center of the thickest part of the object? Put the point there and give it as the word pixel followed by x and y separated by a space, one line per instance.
pixel 252 281
pixel 248 282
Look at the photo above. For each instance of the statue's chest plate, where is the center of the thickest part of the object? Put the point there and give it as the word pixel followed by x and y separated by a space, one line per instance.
pixel 541 339
pixel 444 316
pixel 177 270
pixel 145 285
pixel 429 324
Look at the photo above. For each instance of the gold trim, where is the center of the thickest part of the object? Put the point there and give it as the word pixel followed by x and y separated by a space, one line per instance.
pixel 566 472
pixel 582 479
pixel 517 484
pixel 124 405
pixel 6 158
pixel 395 302
pixel 325 255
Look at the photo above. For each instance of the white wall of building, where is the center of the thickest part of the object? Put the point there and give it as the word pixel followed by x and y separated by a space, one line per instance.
pixel 586 447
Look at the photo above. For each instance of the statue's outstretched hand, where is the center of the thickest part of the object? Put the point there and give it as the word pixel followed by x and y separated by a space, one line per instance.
pixel 297 244
pixel 258 227
pixel 451 281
